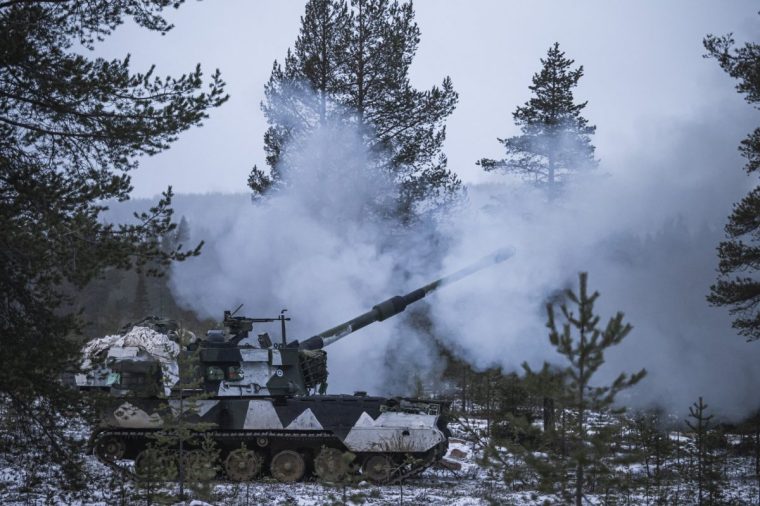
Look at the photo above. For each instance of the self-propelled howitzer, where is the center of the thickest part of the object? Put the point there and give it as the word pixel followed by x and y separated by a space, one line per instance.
pixel 266 405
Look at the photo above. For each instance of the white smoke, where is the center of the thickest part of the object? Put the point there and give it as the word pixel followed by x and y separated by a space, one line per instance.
pixel 646 232
pixel 313 247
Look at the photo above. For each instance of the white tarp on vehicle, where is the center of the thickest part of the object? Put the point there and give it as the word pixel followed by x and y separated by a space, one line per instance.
pixel 154 344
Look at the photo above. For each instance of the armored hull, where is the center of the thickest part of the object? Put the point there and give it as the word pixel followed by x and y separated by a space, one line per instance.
pixel 379 434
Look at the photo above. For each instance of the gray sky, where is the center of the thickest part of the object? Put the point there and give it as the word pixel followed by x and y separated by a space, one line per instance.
pixel 644 72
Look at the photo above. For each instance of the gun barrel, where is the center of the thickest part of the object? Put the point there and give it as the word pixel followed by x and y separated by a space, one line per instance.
pixel 397 304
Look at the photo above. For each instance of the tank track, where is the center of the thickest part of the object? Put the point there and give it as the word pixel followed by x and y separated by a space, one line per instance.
pixel 419 465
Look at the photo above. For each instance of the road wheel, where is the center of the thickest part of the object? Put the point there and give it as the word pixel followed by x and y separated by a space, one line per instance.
pixel 242 465
pixel 110 448
pixel 288 466
pixel 331 465
pixel 378 468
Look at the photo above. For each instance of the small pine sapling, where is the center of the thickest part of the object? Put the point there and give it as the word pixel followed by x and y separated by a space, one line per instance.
pixel 583 344
pixel 705 469
pixel 183 443
pixel 651 437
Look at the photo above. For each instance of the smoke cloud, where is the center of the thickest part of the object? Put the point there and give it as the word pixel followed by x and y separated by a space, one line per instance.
pixel 645 230
pixel 314 247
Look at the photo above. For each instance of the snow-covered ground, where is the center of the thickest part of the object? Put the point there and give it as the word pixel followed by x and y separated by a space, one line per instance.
pixel 470 485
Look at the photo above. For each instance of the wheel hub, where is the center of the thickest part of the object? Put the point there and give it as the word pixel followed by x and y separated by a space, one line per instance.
pixel 332 465
pixel 242 465
pixel 288 466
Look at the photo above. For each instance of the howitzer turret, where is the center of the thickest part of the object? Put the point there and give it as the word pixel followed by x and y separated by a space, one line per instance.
pixel 397 304
pixel 236 365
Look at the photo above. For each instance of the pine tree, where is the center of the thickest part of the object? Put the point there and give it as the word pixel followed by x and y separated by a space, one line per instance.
pixel 555 141
pixel 350 64
pixel 736 286
pixel 548 385
pixel 301 96
pixel 589 446
pixel 651 435
pixel 182 449
pixel 71 127
pixel 705 471
pixel 512 434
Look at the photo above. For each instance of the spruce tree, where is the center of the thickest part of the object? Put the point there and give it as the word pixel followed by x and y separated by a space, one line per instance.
pixel 589 445
pixel 350 64
pixel 71 128
pixel 555 141
pixel 737 286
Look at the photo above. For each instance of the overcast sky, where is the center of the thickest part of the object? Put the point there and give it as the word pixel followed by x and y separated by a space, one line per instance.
pixel 643 63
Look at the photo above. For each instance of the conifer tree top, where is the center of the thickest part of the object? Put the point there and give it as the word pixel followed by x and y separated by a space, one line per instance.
pixel 350 65
pixel 552 108
pixel 555 140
